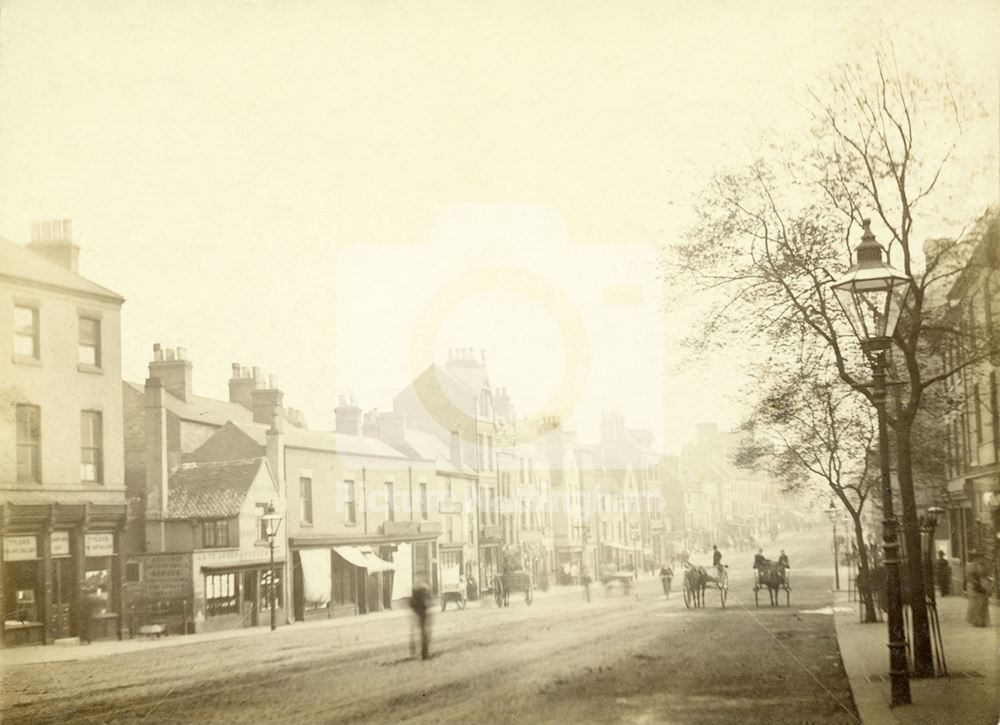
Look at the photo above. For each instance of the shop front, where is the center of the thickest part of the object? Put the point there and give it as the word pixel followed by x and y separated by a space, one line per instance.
pixel 339 576
pixel 61 573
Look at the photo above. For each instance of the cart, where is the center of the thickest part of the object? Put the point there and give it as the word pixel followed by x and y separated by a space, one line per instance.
pixel 516 581
pixel 453 589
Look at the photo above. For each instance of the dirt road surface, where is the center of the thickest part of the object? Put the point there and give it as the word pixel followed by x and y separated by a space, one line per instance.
pixel 616 659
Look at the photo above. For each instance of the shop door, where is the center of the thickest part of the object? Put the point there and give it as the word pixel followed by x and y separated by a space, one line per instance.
pixel 61 620
pixel 250 598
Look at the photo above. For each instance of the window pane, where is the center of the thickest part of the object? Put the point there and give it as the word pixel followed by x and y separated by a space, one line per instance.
pixel 26 331
pixel 28 443
pixel 305 499
pixel 90 341
pixel 90 449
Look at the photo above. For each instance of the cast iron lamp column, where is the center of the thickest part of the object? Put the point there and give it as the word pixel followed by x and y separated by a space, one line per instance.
pixel 872 294
pixel 928 524
pixel 833 514
pixel 272 522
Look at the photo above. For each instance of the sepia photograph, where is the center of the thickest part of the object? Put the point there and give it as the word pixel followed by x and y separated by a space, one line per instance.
pixel 500 361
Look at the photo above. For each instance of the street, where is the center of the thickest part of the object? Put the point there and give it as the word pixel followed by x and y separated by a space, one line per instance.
pixel 615 659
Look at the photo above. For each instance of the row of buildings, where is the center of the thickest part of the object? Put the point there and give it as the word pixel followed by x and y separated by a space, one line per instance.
pixel 971 493
pixel 135 503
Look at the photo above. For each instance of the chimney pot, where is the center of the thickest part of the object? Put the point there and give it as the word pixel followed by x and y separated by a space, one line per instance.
pixel 274 382
pixel 170 353
pixel 181 353
pixel 67 225
pixel 236 370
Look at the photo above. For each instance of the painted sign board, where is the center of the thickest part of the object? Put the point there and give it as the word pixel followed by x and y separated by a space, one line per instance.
pixel 102 544
pixel 60 543
pixel 20 548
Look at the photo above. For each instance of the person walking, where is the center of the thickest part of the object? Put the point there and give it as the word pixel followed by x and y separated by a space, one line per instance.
pixel 666 578
pixel 977 589
pixel 420 603
pixel 585 580
pixel 942 572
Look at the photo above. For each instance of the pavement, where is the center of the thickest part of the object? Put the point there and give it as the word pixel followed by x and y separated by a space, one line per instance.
pixel 968 695
pixel 70 652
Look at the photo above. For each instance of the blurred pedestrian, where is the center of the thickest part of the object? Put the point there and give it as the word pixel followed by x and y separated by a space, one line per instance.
pixel 978 614
pixel 420 603
pixel 942 572
pixel 585 580
pixel 666 578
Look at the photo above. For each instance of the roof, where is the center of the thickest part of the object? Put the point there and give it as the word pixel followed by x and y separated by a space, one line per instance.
pixel 321 440
pixel 197 409
pixel 211 490
pixel 20 263
pixel 426 446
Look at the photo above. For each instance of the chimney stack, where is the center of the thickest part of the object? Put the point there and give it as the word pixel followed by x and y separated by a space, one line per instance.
pixel 53 240
pixel 348 416
pixel 267 402
pixel 157 461
pixel 241 387
pixel 173 370
pixel 370 428
pixel 392 428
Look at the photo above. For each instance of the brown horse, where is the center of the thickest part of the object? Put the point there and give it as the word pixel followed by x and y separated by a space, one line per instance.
pixel 772 577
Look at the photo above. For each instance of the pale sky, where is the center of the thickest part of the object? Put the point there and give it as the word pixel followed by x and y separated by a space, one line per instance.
pixel 293 184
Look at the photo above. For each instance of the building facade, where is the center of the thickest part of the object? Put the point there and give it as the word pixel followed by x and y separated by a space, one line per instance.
pixel 61 458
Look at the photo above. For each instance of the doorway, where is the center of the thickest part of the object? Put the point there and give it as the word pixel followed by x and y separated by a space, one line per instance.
pixel 250 598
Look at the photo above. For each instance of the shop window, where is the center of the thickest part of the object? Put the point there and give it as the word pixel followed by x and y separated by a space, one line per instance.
pixel 90 342
pixel 26 335
pixel 305 500
pixel 215 534
pixel 26 609
pixel 91 453
pixel 96 591
pixel 264 590
pixel 29 443
pixel 220 594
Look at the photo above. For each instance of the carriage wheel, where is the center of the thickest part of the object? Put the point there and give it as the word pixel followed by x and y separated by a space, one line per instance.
pixel 529 595
pixel 688 595
pixel 498 594
pixel 756 596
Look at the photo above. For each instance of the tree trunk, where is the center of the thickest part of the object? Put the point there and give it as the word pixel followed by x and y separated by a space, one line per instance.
pixel 923 655
pixel 868 595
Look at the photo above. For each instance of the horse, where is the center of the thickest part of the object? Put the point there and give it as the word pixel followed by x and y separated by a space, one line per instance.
pixel 772 576
pixel 695 579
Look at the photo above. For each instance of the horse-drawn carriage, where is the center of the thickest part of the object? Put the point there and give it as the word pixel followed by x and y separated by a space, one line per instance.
pixel 697 580
pixel 772 576
pixel 510 582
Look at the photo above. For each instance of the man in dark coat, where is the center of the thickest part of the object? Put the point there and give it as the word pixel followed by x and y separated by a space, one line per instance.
pixel 942 572
pixel 420 603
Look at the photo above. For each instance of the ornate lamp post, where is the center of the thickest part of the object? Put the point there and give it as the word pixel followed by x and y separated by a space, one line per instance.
pixel 872 294
pixel 272 522
pixel 928 523
pixel 833 513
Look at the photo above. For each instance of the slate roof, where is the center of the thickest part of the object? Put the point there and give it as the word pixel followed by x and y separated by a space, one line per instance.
pixel 20 263
pixel 213 490
pixel 322 440
pixel 198 409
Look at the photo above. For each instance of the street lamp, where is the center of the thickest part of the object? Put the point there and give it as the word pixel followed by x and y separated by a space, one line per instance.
pixel 272 522
pixel 833 513
pixel 872 294
pixel 928 523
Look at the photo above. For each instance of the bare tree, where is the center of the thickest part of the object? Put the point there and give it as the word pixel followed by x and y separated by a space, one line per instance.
pixel 809 431
pixel 773 236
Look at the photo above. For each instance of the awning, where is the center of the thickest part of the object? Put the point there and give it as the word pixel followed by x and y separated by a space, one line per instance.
pixel 364 558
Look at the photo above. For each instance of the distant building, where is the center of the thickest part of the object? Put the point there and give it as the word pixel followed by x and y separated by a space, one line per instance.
pixel 61 459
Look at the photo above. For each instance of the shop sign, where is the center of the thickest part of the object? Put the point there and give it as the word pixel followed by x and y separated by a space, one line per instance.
pixel 430 527
pixel 166 576
pixel 60 543
pixel 400 528
pixel 99 544
pixel 20 548
pixel 450 507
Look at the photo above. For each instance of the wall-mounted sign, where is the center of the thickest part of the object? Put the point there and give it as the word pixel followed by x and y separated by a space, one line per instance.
pixel 430 527
pixel 60 543
pixel 99 544
pixel 20 548
pixel 451 507
pixel 166 576
pixel 400 528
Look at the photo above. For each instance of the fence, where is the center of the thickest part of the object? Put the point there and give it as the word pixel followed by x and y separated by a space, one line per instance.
pixel 174 616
